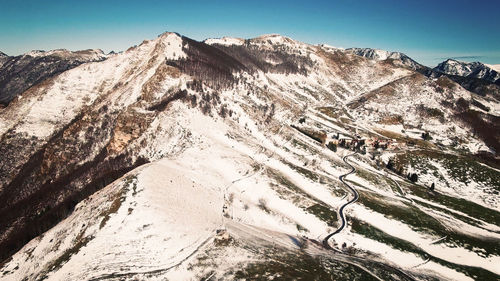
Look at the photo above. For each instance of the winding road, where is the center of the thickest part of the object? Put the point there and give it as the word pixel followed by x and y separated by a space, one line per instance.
pixel 341 210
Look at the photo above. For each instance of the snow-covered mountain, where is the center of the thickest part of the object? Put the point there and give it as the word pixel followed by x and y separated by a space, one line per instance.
pixel 225 159
pixel 381 55
pixel 225 41
pixel 468 69
pixel 19 73
pixel 479 82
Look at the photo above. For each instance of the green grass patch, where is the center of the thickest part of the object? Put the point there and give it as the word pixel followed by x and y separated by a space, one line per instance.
pixel 378 180
pixel 415 218
pixel 303 171
pixel 463 169
pixel 324 213
pixel 300 266
pixel 458 204
pixel 460 168
pixel 376 234
pixel 285 182
pixel 453 214
pixel 420 221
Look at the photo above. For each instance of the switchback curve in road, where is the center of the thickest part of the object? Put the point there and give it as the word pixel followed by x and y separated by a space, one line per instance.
pixel 341 210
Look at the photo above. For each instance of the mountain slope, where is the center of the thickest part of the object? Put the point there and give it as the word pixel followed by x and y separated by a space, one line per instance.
pixel 177 154
pixel 412 102
pixel 17 74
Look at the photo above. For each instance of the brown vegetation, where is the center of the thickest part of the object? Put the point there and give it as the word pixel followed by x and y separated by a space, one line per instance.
pixel 392 119
pixel 445 82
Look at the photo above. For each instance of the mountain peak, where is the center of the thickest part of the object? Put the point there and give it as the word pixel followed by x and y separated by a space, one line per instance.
pixel 329 47
pixel 167 34
pixel 94 54
pixel 274 38
pixel 376 54
pixel 458 62
pixel 271 35
pixel 468 69
pixel 173 43
pixel 2 54
pixel 380 55
pixel 227 41
pixel 454 61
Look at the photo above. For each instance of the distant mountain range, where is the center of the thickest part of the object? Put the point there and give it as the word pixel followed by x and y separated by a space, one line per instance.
pixel 468 69
pixel 19 73
pixel 450 66
pixel 475 77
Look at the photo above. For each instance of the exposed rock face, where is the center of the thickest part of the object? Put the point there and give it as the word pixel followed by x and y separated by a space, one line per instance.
pixel 17 74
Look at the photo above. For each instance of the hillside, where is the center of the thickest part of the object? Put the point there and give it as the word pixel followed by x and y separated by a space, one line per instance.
pixel 19 73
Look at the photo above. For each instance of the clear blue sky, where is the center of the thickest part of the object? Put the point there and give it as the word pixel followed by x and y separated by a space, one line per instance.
pixel 429 31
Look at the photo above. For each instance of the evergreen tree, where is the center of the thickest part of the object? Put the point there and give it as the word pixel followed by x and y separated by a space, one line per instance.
pixel 332 146
pixel 390 164
pixel 426 136
pixel 413 177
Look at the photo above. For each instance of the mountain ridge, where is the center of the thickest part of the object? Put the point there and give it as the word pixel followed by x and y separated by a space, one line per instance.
pixel 468 69
pixel 108 153
pixel 384 55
